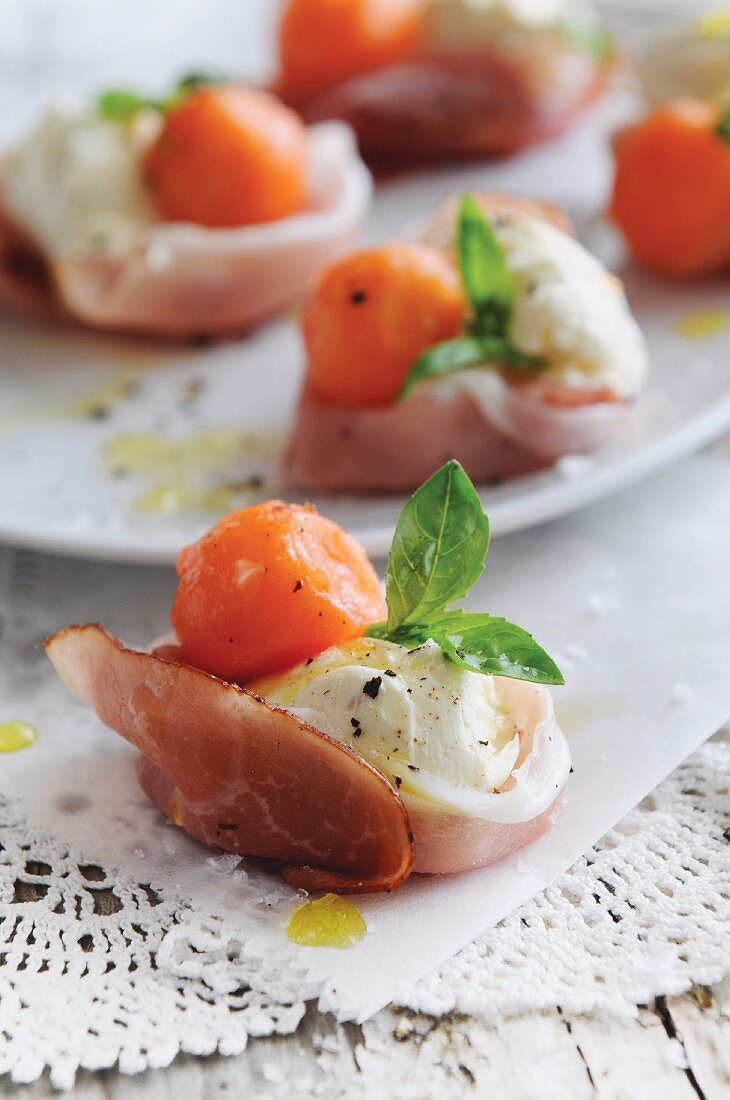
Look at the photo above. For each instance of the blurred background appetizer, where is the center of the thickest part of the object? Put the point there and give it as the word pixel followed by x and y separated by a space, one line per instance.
pixel 198 215
pixel 370 738
pixel 671 192
pixel 689 59
pixel 495 337
pixel 430 80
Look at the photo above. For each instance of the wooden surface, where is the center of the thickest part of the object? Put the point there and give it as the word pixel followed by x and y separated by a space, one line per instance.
pixel 678 1048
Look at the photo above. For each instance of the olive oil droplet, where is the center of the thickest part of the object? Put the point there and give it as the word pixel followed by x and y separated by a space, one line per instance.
pixel 714 24
pixel 329 921
pixel 703 324
pixel 16 735
pixel 201 472
pixel 168 497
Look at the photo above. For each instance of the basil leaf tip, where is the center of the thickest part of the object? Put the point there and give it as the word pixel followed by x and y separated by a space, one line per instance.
pixel 451 355
pixel 438 552
pixel 489 283
pixel 200 80
pixel 439 547
pixel 121 104
pixel 723 126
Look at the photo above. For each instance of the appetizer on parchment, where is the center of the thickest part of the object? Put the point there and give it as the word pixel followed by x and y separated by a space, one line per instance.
pixel 199 215
pixel 300 718
pixel 429 80
pixel 671 192
pixel 495 338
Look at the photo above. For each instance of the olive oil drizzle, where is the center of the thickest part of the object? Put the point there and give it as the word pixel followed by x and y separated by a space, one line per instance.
pixel 16 735
pixel 329 921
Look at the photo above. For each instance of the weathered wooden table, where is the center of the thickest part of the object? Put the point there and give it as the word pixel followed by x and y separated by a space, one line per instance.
pixel 677 1048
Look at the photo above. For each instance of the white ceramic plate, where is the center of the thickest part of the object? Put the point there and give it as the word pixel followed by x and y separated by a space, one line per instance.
pixel 66 397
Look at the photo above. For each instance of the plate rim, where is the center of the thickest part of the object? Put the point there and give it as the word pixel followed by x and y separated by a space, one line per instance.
pixel 553 501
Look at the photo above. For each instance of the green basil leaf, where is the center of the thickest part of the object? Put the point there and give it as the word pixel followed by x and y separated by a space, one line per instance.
pixel 463 352
pixel 439 547
pixel 481 643
pixel 489 283
pixel 723 126
pixel 189 83
pixel 120 106
pixel 589 36
pixel 452 355
pixel 438 552
pixel 495 647
pixel 200 80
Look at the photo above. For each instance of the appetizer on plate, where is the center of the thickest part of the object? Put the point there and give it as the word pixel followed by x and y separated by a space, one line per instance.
pixel 298 717
pixel 495 338
pixel 689 59
pixel 671 193
pixel 429 80
pixel 200 215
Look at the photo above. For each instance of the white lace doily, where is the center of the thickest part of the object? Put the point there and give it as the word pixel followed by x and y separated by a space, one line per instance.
pixel 98 970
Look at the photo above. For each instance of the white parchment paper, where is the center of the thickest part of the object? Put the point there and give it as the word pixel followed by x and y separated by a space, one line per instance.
pixel 632 595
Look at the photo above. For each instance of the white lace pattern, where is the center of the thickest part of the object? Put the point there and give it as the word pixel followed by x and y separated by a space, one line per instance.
pixel 98 970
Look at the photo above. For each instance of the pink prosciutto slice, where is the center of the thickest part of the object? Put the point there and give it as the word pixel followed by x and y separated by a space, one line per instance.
pixel 460 103
pixel 395 448
pixel 497 426
pixel 458 829
pixel 240 774
pixel 494 428
pixel 250 778
pixel 185 280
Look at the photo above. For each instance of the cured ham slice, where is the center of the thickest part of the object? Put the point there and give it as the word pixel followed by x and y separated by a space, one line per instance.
pixel 240 774
pixel 394 448
pixel 25 283
pixel 247 777
pixel 449 104
pixel 186 280
pixel 498 424
pixel 458 829
pixel 494 428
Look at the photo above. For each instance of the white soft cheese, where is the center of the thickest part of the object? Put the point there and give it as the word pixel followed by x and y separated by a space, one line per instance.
pixel 691 59
pixel 410 713
pixel 453 22
pixel 568 310
pixel 74 184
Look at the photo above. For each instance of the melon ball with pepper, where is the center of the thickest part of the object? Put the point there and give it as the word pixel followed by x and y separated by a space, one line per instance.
pixel 372 314
pixel 269 586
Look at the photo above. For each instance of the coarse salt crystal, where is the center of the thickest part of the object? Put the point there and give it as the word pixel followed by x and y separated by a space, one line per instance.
pixel 224 864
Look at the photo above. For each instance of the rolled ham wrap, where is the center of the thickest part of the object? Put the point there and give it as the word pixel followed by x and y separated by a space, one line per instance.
pixel 453 105
pixel 251 778
pixel 181 280
pixel 567 311
pixel 434 80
